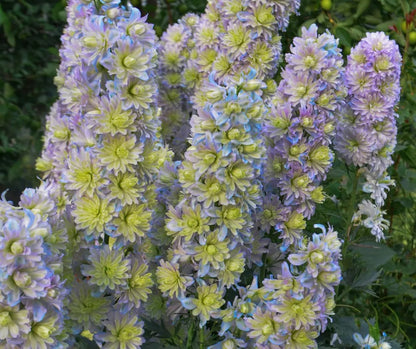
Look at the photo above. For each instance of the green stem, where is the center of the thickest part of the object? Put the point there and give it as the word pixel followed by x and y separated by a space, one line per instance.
pixel 201 338
pixel 351 208
pixel 190 335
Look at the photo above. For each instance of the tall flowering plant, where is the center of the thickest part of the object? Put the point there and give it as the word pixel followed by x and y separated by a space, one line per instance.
pixel 119 236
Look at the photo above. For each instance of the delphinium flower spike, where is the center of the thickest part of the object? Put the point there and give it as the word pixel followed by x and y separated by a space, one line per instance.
pixel 299 130
pixel 366 131
pixel 211 225
pixel 108 92
pixel 32 292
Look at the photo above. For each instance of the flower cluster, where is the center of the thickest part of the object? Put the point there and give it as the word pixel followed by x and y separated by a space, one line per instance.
pixel 366 132
pixel 230 38
pixel 299 129
pixel 111 154
pixel 32 242
pixel 290 310
pixel 370 343
pixel 211 225
pixel 177 46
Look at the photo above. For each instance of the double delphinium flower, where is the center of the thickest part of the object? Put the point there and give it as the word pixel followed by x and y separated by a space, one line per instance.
pixel 108 91
pixel 299 129
pixel 220 177
pixel 32 292
pixel 366 132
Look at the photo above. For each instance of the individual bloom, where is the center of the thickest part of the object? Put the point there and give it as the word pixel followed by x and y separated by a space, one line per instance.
pixel 172 58
pixel 211 251
pixel 354 145
pixel 212 191
pixel 233 268
pixel 207 35
pixel 297 189
pixel 122 332
pixel 129 60
pixel 86 306
pixel 84 175
pixel 367 342
pixel 301 338
pixel 303 312
pixel 263 326
pixel 124 187
pixel 208 302
pixel 41 333
pixel 237 39
pixel 261 56
pixel 377 187
pixel 319 159
pixel 262 20
pixel 119 153
pixel 284 283
pixel 31 281
pixel 93 213
pixel 230 342
pixel 111 118
pixel 230 218
pixel 138 285
pixel 190 222
pixel 238 175
pixel 307 57
pixel 301 88
pixel 314 255
pixel 137 94
pixel 16 247
pixel 293 226
pixel 371 107
pixel 38 200
pixel 170 280
pixel 223 65
pixel 106 268
pixel 13 322
pixel 133 221
pixel 373 218
pixel 95 39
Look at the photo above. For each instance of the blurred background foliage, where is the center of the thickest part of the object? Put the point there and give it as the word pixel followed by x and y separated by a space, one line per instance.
pixel 378 292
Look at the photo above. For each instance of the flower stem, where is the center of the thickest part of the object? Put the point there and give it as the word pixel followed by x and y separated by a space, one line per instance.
pixel 351 208
pixel 201 338
pixel 190 335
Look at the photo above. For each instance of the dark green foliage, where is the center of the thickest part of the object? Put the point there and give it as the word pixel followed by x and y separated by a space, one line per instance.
pixel 29 43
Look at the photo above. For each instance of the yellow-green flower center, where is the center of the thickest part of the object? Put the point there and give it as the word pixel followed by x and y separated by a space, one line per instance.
pixel 16 247
pixel 90 41
pixel 127 333
pixel 122 152
pixel 42 331
pixel 129 61
pixel 267 329
pixel 5 318
pixel 316 257
pixel 209 299
pixel 211 249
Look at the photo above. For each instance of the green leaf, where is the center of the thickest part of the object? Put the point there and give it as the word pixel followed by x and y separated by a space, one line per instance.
pixel 343 35
pixel 361 8
pixel 373 254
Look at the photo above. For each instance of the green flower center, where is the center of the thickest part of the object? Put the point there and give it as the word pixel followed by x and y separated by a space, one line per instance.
pixel 267 329
pixel 295 150
pixel 90 41
pixel 214 188
pixel 209 159
pixel 137 29
pixel 297 308
pixel 232 213
pixel 22 280
pixel 127 334
pixel 129 61
pixel 310 61
pixel 136 90
pixel 209 299
pixel 122 152
pixel 5 318
pixel 42 331
pixel 316 257
pixel 233 265
pixel 211 249
pixel 233 133
pixel 16 247
pixel 192 223
pixel 238 173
